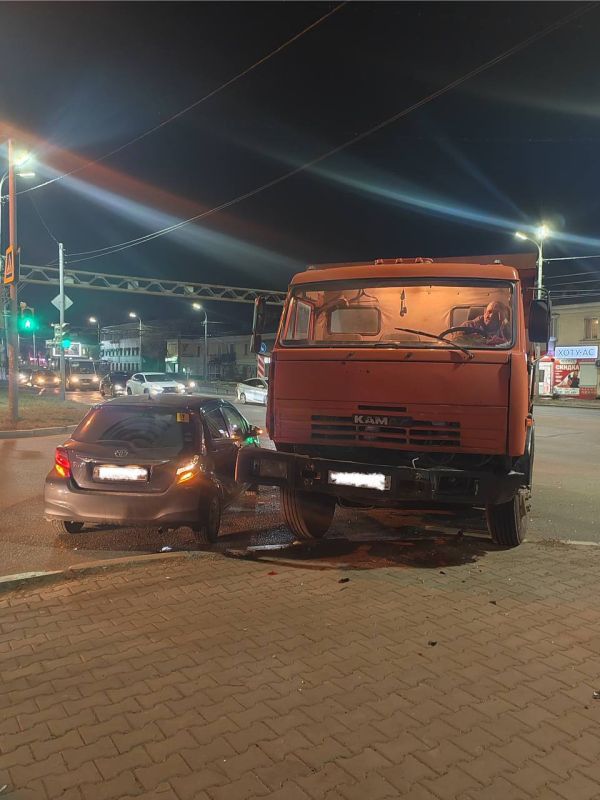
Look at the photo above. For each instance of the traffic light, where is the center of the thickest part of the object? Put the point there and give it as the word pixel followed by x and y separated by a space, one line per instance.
pixel 65 335
pixel 62 338
pixel 27 320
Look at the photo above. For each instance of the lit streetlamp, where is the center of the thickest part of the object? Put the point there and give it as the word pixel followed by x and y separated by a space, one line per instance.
pixel 199 307
pixel 542 233
pixel 133 315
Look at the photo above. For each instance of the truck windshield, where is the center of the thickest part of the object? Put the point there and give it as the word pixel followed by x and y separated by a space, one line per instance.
pixel 475 315
pixel 82 367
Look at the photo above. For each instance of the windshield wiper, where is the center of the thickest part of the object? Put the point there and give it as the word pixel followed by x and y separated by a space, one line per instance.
pixel 439 338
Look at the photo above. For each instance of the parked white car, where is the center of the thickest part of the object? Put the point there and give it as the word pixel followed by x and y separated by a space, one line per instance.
pixel 154 383
pixel 254 390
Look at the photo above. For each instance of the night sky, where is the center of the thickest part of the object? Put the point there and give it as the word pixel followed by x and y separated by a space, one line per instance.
pixel 515 145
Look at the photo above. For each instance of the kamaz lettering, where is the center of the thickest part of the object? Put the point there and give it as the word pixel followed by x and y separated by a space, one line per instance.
pixel 362 419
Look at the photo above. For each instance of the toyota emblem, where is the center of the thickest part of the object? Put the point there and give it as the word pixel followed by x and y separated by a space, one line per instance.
pixel 121 453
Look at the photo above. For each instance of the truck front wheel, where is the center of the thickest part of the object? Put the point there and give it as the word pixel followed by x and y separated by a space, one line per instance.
pixel 308 516
pixel 507 522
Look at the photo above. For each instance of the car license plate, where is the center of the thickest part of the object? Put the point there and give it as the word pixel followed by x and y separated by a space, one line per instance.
pixel 361 480
pixel 110 473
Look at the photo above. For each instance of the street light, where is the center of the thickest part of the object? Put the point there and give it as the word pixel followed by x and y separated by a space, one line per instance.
pixel 542 233
pixel 96 322
pixel 199 307
pixel 133 315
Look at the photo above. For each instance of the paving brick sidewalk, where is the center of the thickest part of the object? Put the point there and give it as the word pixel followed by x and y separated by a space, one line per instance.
pixel 460 674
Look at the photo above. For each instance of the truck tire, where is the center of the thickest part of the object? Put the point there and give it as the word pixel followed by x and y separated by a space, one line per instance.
pixel 307 515
pixel 507 522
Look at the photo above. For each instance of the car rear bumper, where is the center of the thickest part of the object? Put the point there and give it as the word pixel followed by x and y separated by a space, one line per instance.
pixel 402 484
pixel 179 505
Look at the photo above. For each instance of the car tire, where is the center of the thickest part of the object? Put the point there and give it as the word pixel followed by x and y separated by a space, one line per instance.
pixel 308 516
pixel 207 531
pixel 129 390
pixel 66 526
pixel 243 400
pixel 507 522
pixel 146 391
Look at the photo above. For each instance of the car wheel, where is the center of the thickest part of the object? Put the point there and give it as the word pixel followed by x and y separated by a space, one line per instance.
pixel 146 391
pixel 207 531
pixel 243 400
pixel 64 526
pixel 129 390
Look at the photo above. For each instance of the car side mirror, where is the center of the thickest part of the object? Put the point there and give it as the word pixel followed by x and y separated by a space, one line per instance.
pixel 539 321
pixel 254 432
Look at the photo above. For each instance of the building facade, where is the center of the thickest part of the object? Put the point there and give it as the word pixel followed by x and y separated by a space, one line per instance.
pixel 572 365
pixel 229 357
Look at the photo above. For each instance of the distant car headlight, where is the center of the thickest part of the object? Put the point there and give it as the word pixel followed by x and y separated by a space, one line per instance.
pixel 155 389
pixel 40 381
pixel 56 380
pixel 118 386
pixel 192 384
pixel 180 387
pixel 74 379
pixel 95 379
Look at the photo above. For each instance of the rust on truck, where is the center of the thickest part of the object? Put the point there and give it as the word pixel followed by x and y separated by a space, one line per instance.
pixel 404 383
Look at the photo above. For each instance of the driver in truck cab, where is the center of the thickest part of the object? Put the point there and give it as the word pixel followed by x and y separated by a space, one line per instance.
pixel 494 323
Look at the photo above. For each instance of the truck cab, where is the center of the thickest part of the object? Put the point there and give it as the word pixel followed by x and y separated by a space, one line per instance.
pixel 402 384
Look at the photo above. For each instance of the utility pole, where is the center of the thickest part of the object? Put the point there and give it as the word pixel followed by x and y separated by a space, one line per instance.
pixel 61 292
pixel 11 333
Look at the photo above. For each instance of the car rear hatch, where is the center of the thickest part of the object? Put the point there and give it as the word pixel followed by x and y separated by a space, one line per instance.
pixel 107 469
pixel 131 448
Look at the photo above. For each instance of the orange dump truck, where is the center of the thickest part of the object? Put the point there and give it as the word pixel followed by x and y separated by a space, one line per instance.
pixel 402 384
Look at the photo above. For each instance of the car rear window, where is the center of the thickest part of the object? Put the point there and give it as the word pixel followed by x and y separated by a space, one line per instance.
pixel 142 428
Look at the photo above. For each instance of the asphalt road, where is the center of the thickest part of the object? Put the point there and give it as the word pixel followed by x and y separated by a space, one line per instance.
pixel 565 503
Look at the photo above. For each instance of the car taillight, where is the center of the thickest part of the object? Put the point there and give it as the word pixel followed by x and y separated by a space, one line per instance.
pixel 61 462
pixel 189 470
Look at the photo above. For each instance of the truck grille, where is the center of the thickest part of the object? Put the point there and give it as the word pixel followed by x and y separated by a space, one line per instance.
pixel 385 425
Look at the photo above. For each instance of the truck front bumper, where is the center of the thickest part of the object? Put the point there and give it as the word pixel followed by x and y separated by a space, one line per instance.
pixel 377 485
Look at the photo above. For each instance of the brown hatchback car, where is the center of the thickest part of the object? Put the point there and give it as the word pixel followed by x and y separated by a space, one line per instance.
pixel 167 461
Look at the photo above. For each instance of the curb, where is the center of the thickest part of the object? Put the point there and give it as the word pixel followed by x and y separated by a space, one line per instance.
pixel 31 432
pixel 26 580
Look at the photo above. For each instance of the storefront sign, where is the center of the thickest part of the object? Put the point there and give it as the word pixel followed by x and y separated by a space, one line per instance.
pixel 566 377
pixel 582 352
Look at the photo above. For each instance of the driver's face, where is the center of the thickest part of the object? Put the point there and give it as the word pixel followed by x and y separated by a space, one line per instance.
pixel 492 313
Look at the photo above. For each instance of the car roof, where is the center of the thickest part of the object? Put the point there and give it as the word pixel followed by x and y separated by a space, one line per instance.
pixel 193 402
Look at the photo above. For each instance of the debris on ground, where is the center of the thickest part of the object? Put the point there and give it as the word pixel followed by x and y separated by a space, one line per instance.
pixel 494 602
pixel 596 695
pixel 432 643
pixel 344 580
pixel 272 572
pixel 166 549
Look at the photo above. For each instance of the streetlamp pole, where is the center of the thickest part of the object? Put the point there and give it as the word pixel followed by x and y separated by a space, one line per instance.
pixel 13 357
pixel 4 310
pixel 542 233
pixel 133 315
pixel 200 307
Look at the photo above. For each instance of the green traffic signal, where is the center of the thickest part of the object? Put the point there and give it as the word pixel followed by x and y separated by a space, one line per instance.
pixel 65 344
pixel 27 321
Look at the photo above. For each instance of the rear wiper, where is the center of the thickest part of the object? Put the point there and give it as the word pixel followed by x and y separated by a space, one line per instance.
pixel 439 338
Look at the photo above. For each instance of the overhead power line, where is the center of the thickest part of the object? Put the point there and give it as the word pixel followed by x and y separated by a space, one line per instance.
pixel 46 228
pixel 91 254
pixel 193 105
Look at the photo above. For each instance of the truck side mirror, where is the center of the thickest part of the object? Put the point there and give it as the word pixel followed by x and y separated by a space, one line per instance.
pixel 258 324
pixel 539 321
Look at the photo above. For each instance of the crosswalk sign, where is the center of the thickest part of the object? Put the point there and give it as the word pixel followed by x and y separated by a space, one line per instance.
pixel 11 265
